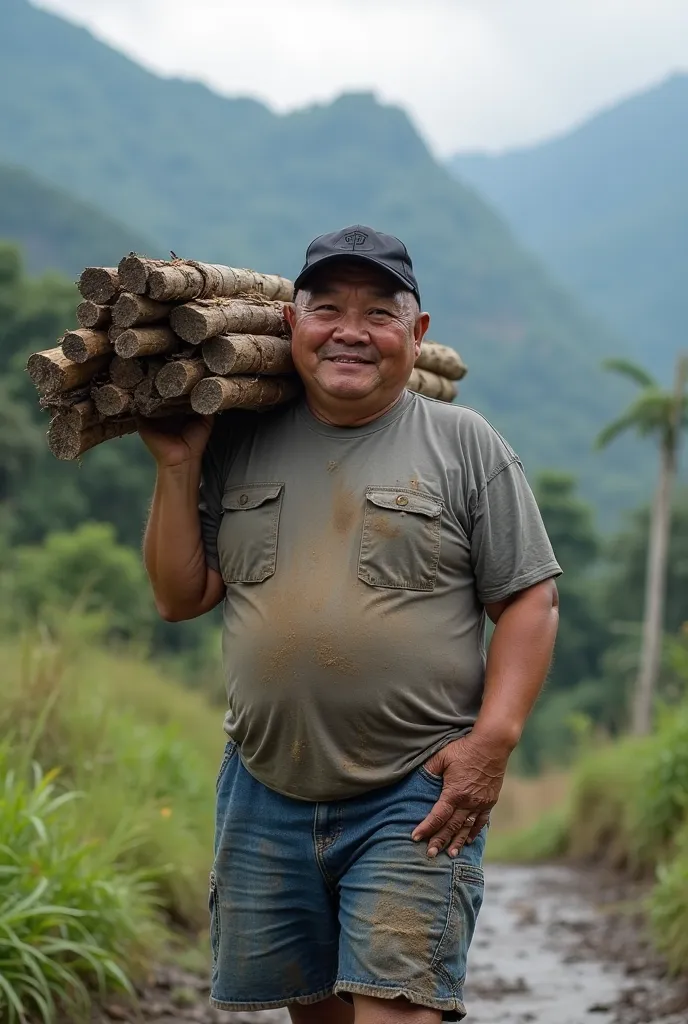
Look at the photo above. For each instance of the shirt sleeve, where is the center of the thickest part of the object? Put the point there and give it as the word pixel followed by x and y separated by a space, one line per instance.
pixel 510 549
pixel 210 498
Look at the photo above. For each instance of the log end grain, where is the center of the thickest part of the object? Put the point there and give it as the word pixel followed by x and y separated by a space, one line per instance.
pixel 84 344
pixel 217 393
pixel 68 444
pixel 90 314
pixel 126 373
pixel 99 284
pixel 131 309
pixel 179 377
pixel 133 273
pixel 111 400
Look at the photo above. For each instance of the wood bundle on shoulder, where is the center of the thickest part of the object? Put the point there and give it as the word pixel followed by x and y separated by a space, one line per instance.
pixel 175 337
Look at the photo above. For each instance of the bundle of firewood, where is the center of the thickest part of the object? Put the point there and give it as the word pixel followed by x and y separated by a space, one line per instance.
pixel 166 338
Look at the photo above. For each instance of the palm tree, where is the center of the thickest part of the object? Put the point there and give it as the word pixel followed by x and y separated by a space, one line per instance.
pixel 662 414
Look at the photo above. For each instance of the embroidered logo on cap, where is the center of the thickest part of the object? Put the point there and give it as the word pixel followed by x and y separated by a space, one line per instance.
pixel 354 241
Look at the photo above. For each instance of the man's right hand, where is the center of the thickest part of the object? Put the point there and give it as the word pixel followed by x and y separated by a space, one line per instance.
pixel 177 440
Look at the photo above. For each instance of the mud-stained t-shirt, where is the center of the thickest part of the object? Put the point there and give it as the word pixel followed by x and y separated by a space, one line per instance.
pixel 357 563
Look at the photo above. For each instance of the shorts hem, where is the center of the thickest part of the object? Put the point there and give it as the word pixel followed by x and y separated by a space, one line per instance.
pixel 453 1005
pixel 273 1004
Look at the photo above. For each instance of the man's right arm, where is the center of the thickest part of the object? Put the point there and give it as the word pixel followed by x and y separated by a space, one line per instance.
pixel 183 584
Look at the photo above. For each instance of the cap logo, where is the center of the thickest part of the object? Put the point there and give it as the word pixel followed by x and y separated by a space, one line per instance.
pixel 354 241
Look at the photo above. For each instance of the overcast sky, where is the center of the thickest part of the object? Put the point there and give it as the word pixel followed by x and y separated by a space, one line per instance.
pixel 472 73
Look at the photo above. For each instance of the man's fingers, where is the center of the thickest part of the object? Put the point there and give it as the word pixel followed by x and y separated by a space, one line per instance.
pixel 440 814
pixel 461 822
pixel 480 823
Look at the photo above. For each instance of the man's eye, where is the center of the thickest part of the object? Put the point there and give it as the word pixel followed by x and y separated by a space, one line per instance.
pixel 380 312
pixel 326 308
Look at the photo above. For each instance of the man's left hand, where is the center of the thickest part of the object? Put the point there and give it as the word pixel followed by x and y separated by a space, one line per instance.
pixel 473 772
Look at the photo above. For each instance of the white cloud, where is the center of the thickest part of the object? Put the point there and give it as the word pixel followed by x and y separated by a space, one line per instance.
pixel 473 73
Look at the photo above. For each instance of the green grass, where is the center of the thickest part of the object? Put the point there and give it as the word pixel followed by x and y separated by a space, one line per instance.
pixel 112 835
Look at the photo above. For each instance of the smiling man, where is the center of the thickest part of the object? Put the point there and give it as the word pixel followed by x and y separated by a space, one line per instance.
pixel 359 538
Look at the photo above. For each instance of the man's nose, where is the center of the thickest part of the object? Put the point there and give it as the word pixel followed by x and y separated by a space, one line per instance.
pixel 350 330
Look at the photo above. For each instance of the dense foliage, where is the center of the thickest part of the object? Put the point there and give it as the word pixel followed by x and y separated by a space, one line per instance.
pixel 227 179
pixel 606 206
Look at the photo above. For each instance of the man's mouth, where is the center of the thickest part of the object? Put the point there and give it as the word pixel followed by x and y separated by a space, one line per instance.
pixel 349 359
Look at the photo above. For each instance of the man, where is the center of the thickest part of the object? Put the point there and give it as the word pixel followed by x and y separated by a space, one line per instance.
pixel 358 538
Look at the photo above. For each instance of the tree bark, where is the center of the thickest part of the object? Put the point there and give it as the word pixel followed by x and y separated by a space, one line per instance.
pixel 51 372
pixel 248 353
pixel 77 417
pixel 146 341
pixel 112 401
pixel 90 314
pixel 197 321
pixel 66 443
pixel 99 284
pixel 217 393
pixel 82 345
pixel 133 272
pixel 442 360
pixel 431 385
pixel 182 280
pixel 131 310
pixel 126 373
pixel 180 377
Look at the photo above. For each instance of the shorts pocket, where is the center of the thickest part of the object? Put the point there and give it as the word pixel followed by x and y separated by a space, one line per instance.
pixel 247 540
pixel 400 545
pixel 451 955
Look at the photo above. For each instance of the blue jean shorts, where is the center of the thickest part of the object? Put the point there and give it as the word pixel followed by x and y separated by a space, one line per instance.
pixel 310 899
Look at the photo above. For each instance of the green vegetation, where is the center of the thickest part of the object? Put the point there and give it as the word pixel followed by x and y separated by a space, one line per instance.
pixel 111 837
pixel 85 118
pixel 605 205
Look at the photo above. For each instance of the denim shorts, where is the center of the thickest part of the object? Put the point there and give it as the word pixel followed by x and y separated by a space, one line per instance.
pixel 310 899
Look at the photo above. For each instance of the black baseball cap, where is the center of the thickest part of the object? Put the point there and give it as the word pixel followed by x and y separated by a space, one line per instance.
pixel 362 243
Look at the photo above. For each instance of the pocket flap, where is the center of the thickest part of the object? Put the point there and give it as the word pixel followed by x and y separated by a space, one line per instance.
pixel 240 497
pixel 405 501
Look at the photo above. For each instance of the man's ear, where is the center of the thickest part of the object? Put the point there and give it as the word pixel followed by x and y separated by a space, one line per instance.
pixel 420 330
pixel 290 314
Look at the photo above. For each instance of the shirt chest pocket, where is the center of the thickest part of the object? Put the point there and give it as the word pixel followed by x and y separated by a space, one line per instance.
pixel 247 541
pixel 400 545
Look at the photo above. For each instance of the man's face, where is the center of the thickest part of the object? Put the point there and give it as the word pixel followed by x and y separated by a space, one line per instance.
pixel 355 335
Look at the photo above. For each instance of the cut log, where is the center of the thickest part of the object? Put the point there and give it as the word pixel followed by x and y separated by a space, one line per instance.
pixel 82 345
pixel 182 280
pixel 197 321
pixel 248 353
pixel 52 372
pixel 126 373
pixel 217 393
pixel 114 333
pixel 145 341
pixel 110 400
pixel 442 360
pixel 99 284
pixel 180 377
pixel 67 443
pixel 77 417
pixel 431 385
pixel 90 314
pixel 133 272
pixel 130 310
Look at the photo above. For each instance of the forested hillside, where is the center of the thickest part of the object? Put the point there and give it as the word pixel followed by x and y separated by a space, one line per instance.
pixel 606 206
pixel 227 179
pixel 56 231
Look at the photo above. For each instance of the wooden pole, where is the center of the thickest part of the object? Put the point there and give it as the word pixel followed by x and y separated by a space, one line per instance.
pixel 184 280
pixel 90 314
pixel 133 272
pixel 195 322
pixel 431 385
pixel 112 401
pixel 217 393
pixel 68 444
pixel 99 284
pixel 442 360
pixel 248 353
pixel 126 373
pixel 82 345
pixel 77 417
pixel 52 372
pixel 131 310
pixel 180 377
pixel 145 341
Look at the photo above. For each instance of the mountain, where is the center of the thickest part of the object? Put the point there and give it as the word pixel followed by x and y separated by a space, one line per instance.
pixel 606 206
pixel 226 179
pixel 56 231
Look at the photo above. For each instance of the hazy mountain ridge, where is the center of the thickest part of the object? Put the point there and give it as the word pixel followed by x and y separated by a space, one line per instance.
pixel 606 206
pixel 223 179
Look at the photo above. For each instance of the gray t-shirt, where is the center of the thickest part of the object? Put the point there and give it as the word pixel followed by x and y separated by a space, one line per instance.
pixel 357 563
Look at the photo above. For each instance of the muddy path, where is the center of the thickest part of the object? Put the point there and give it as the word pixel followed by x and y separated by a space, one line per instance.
pixel 548 950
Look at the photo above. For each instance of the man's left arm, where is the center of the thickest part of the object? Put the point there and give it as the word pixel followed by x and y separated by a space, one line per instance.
pixel 514 567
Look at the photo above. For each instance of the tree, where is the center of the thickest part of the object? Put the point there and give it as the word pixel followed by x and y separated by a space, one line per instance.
pixel 659 413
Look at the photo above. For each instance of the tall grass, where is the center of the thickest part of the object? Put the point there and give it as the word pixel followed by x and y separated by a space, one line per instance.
pixel 111 833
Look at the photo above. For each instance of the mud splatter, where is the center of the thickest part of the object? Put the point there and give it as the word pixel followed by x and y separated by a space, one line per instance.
pixel 327 656
pixel 297 750
pixel 380 523
pixel 332 466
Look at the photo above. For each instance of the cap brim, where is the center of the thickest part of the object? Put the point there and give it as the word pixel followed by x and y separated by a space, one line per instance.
pixel 309 271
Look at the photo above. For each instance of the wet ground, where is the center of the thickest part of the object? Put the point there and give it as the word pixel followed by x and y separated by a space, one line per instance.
pixel 554 945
